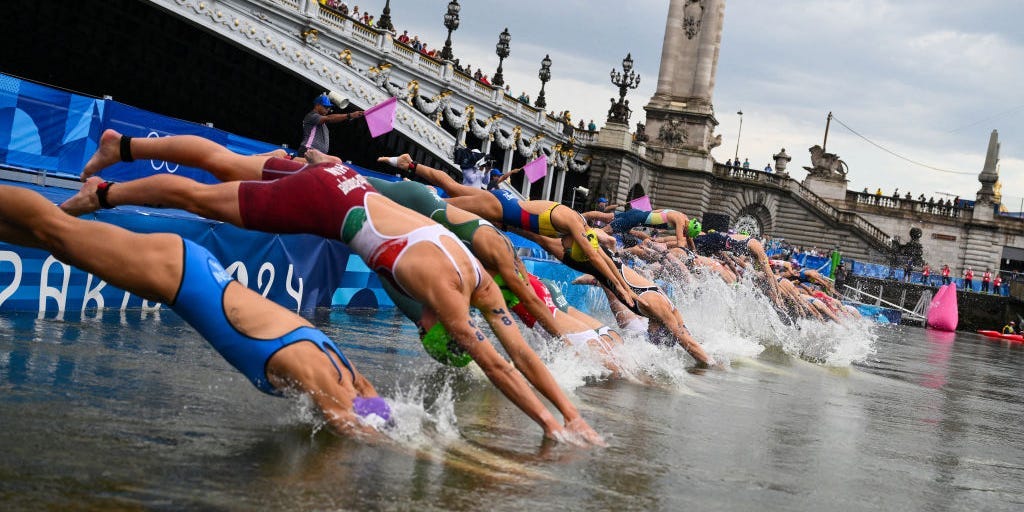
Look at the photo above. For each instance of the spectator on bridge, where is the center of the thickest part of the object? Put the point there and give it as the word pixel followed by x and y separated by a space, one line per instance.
pixel 416 44
pixel 315 134
pixel 945 274
pixel 865 191
pixel 343 9
pixel 484 80
pixel 926 274
pixel 356 15
pixel 878 192
pixel 908 197
pixel 478 74
pixel 523 98
pixel 920 198
pixel 768 168
pixel 728 163
pixel 986 279
pixel 746 163
pixel 404 38
pixel 896 193
pixel 591 126
pixel 969 279
pixel 580 126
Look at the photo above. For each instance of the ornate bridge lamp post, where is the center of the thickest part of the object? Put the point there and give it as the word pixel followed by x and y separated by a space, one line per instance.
pixel 451 22
pixel 502 50
pixel 628 79
pixel 736 157
pixel 544 74
pixel 385 18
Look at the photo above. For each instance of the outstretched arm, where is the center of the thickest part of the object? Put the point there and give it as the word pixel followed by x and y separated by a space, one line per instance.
pixel 488 300
pixel 508 175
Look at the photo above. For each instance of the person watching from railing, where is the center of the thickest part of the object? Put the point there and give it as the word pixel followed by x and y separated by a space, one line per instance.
pixel 746 163
pixel 768 168
pixel 591 126
pixel 356 15
pixel 404 38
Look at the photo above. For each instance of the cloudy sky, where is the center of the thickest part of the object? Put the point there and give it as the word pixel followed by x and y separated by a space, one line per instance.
pixel 927 80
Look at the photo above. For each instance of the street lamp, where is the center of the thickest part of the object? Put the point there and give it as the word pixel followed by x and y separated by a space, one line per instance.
pixel 628 79
pixel 544 74
pixel 502 50
pixel 451 22
pixel 384 23
pixel 736 157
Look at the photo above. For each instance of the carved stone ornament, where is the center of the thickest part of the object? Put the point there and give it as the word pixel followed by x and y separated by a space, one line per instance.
pixel 693 13
pixel 672 133
pixel 826 165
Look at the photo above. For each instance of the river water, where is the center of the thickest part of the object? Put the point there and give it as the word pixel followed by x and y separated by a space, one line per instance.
pixel 134 411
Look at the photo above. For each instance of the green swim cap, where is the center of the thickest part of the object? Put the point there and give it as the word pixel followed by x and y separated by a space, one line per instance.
pixel 440 345
pixel 510 298
pixel 693 229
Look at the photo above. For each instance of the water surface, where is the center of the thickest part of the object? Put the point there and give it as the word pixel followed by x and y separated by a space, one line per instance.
pixel 134 410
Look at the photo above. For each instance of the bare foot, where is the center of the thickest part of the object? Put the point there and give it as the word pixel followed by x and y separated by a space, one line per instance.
pixel 402 161
pixel 585 279
pixel 109 153
pixel 85 201
pixel 316 157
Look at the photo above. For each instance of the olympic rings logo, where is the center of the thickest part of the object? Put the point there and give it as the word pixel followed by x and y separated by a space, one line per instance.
pixel 158 165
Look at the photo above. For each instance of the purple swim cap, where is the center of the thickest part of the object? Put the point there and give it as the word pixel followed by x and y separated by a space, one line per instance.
pixel 372 405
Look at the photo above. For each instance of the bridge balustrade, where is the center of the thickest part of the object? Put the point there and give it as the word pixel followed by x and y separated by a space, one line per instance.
pixel 913 205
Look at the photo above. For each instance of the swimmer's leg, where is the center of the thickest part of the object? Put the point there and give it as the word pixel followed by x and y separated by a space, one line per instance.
pixel 217 202
pixel 187 150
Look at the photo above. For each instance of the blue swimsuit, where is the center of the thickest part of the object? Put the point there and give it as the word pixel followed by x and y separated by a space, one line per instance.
pixel 200 302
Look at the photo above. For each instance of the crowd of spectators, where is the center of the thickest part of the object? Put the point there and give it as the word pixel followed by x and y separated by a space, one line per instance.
pixel 745 164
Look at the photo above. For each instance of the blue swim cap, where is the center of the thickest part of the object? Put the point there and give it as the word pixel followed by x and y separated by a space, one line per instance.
pixel 602 200
pixel 495 172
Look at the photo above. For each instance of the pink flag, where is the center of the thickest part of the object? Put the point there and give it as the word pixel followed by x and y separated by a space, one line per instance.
pixel 641 203
pixel 380 118
pixel 536 169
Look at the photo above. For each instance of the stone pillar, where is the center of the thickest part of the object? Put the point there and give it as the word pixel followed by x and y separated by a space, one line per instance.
pixel 560 185
pixel 548 178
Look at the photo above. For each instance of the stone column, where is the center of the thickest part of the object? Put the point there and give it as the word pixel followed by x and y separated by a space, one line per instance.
pixel 560 185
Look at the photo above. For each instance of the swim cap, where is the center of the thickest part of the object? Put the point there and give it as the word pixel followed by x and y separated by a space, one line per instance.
pixel 495 172
pixel 693 229
pixel 440 345
pixel 576 252
pixel 510 298
pixel 602 200
pixel 371 405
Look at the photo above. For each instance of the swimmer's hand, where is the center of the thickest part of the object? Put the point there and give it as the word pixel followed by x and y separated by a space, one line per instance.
pixel 580 428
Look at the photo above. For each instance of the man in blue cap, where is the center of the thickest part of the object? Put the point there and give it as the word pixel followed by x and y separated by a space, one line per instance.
pixel 315 134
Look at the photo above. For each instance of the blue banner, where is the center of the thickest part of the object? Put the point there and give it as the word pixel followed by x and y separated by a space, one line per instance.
pixel 57 131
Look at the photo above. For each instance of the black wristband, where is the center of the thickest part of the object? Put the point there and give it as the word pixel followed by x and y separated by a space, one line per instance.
pixel 412 166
